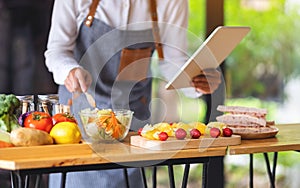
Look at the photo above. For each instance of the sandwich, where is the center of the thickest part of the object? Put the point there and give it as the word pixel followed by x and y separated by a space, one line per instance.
pixel 243 120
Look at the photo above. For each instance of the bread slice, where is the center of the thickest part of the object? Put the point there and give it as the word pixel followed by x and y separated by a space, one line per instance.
pixel 256 112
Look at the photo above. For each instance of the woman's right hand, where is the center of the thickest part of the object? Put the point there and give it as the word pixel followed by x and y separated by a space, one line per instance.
pixel 78 80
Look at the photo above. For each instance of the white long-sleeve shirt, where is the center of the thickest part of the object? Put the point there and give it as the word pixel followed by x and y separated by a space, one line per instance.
pixel 68 15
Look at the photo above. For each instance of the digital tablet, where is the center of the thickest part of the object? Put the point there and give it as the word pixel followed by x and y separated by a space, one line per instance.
pixel 210 54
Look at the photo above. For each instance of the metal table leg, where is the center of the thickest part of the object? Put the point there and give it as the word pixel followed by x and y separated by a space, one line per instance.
pixel 274 165
pixel 154 180
pixel 38 180
pixel 12 180
pixel 271 174
pixel 144 180
pixel 204 175
pixel 63 180
pixel 185 175
pixel 251 171
pixel 27 181
pixel 171 176
pixel 126 177
pixel 18 180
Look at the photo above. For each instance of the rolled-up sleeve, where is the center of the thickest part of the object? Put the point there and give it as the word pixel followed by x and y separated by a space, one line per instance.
pixel 61 41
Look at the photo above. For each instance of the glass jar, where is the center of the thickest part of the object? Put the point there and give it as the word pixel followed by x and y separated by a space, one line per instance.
pixel 48 103
pixel 26 104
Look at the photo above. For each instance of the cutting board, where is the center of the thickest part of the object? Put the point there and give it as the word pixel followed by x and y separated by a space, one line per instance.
pixel 174 144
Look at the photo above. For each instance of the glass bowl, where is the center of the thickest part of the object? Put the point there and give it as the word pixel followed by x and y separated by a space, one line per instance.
pixel 106 124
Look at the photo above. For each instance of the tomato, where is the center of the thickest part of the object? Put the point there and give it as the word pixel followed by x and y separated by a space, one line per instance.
pixel 39 120
pixel 63 117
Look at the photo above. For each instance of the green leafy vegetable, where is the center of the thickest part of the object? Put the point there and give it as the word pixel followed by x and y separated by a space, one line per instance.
pixel 8 104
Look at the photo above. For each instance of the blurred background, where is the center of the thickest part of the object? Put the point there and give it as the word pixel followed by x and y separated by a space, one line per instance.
pixel 263 71
pixel 24 26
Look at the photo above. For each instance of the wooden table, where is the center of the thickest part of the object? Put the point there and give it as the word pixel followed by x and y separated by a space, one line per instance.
pixel 23 161
pixel 77 157
pixel 287 139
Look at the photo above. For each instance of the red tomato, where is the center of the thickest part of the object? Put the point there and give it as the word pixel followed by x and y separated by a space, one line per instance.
pixel 39 120
pixel 63 117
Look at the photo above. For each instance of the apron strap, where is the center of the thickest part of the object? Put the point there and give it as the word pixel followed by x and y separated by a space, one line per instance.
pixel 89 19
pixel 155 30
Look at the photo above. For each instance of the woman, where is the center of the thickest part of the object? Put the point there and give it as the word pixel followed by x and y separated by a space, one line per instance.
pixel 105 48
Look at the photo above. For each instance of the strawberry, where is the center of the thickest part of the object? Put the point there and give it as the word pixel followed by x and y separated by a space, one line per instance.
pixel 140 131
pixel 163 136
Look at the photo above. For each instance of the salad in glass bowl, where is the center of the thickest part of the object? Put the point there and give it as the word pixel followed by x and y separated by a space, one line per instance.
pixel 106 124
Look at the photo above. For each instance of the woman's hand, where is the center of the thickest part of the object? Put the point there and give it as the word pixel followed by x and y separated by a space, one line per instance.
pixel 207 82
pixel 78 80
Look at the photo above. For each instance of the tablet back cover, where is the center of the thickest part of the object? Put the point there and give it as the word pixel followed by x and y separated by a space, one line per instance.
pixel 213 51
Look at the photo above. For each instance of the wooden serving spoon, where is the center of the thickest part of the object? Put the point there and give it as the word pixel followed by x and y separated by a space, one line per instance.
pixel 88 96
pixel 90 99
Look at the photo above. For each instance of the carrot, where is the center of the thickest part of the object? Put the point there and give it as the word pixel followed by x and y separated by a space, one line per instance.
pixel 117 132
pixel 102 119
pixel 114 119
pixel 110 122
pixel 109 125
pixel 5 144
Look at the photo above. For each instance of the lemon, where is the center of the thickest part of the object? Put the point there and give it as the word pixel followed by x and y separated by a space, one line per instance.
pixel 66 133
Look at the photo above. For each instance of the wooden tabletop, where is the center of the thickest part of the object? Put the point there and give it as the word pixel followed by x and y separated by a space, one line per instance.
pixel 47 156
pixel 20 158
pixel 287 139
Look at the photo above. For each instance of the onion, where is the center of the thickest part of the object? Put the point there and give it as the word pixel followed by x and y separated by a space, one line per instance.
pixel 22 118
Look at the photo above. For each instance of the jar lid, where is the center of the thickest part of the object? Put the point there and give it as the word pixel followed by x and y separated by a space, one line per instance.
pixel 48 98
pixel 26 98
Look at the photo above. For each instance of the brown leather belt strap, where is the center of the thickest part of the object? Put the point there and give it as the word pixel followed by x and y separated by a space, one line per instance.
pixel 89 19
pixel 155 29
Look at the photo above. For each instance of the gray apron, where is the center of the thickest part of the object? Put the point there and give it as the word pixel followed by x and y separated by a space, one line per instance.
pixel 99 50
